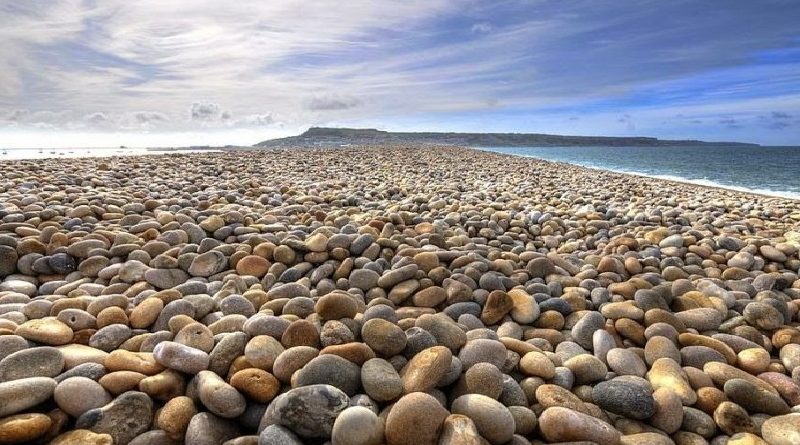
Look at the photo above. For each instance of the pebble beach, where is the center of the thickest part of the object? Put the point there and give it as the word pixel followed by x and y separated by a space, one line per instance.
pixel 398 295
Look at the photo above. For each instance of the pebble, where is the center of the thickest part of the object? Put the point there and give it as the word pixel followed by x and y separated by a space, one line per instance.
pixel 218 396
pixel 484 379
pixel 497 305
pixel 82 437
pixel 459 430
pixel 357 426
pixel 626 362
pixel 386 297
pixel 537 364
pixel 256 384
pixel 549 395
pixel 559 424
pixel 23 427
pixel 632 400
pixel 584 329
pixel 493 420
pixel 384 337
pixel 732 418
pixel 181 357
pixel 665 373
pixel 755 399
pixel 668 415
pixel 331 370
pixel 482 351
pixel 782 430
pixel 21 394
pixel 586 368
pixel 415 419
pixel 424 371
pixel 382 382
pixel 208 429
pixel 278 435
pixel 335 306
pixel 48 331
pixel 92 395
pixel 175 416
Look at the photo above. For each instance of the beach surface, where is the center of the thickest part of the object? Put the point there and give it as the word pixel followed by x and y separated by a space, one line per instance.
pixel 391 294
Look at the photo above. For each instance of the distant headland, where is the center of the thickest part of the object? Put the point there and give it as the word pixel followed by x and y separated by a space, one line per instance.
pixel 315 136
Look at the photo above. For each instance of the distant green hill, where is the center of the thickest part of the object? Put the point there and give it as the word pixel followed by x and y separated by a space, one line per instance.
pixel 342 136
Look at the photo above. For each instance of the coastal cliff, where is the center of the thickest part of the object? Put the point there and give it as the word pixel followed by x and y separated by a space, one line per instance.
pixel 315 136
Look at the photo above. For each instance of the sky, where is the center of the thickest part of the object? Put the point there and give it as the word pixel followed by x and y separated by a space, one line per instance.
pixel 82 73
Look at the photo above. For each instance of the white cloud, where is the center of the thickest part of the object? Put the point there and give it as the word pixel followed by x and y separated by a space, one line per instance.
pixel 208 112
pixel 259 120
pixel 333 102
pixel 96 118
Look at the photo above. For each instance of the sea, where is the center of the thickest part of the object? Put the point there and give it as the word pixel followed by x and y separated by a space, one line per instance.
pixel 773 171
pixel 91 152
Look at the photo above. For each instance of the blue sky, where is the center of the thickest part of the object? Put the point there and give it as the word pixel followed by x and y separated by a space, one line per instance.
pixel 152 73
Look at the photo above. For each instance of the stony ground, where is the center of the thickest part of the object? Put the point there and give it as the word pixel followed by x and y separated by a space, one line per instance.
pixel 391 295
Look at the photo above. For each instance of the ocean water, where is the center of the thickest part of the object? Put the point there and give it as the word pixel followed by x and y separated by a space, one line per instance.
pixel 44 153
pixel 773 171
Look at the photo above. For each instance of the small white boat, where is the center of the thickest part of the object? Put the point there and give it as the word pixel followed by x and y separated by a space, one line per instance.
pixel 5 152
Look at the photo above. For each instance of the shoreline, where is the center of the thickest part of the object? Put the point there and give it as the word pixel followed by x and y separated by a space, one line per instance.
pixel 154 151
pixel 668 178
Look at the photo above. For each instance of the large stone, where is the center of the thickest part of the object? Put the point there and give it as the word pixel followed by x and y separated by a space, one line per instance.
pixel 34 362
pixel 308 411
pixel 124 418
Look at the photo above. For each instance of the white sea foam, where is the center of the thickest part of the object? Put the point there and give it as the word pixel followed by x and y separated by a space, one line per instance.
pixel 710 183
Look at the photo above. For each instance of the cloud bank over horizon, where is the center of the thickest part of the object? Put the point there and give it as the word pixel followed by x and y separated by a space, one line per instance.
pixel 90 72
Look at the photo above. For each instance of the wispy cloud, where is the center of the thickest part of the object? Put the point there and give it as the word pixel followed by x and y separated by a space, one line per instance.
pixel 481 27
